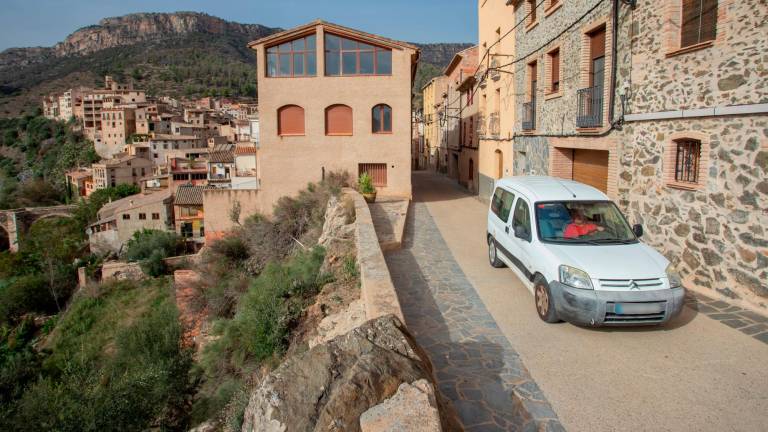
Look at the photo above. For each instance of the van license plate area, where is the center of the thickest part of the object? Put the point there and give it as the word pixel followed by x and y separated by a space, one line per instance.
pixel 638 308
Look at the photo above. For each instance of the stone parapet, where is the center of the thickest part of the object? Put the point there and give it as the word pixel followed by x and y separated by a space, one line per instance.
pixel 377 291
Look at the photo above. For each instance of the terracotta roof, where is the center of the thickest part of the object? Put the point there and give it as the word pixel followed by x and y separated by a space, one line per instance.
pixel 335 28
pixel 221 156
pixel 245 150
pixel 189 195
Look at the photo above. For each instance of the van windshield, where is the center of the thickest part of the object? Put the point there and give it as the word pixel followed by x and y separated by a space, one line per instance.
pixel 582 222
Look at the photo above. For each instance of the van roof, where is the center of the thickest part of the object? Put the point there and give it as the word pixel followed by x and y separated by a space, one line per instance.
pixel 544 188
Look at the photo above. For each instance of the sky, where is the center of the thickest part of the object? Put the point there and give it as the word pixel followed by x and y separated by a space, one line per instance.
pixel 26 23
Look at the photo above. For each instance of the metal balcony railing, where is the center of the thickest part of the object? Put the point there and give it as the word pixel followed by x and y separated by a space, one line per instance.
pixel 590 108
pixel 494 126
pixel 529 115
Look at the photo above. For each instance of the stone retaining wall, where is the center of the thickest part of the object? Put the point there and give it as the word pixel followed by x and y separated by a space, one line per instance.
pixel 377 291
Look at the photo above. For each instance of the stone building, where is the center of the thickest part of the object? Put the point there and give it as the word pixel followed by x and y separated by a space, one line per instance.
pixel 662 105
pixel 118 123
pixel 123 169
pixel 120 219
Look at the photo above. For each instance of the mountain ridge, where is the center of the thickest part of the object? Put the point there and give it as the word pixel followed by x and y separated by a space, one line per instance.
pixel 179 54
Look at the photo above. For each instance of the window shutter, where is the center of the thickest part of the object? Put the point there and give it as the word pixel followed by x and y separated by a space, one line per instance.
pixel 699 22
pixel 597 43
pixel 338 120
pixel 290 120
pixel 555 70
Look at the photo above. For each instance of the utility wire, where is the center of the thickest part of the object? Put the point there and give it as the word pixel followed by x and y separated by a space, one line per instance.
pixel 517 60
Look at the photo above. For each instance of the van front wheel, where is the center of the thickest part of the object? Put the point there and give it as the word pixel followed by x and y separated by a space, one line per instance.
pixel 545 304
pixel 493 254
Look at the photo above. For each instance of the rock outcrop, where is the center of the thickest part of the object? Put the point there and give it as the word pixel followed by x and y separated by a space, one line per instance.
pixel 413 408
pixel 141 27
pixel 330 386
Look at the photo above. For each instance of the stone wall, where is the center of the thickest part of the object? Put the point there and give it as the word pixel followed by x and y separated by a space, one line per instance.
pixel 718 233
pixel 377 291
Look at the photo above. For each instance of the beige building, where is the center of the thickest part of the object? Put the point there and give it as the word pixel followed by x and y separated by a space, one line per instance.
pixel 432 100
pixel 120 219
pixel 123 169
pixel 495 91
pixel 339 101
pixel 456 115
pixel 118 123
pixel 162 145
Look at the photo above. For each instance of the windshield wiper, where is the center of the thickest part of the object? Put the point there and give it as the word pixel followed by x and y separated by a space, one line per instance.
pixel 609 241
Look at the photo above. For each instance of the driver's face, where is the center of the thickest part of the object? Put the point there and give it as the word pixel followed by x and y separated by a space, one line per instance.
pixel 578 219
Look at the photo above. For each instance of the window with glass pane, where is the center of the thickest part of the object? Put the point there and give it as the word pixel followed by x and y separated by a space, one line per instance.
pixel 294 58
pixel 381 119
pixel 345 56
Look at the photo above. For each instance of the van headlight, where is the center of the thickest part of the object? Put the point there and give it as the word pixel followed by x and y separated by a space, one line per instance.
pixel 675 281
pixel 574 277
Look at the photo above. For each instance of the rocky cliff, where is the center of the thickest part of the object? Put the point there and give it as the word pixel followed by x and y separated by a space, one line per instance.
pixel 141 27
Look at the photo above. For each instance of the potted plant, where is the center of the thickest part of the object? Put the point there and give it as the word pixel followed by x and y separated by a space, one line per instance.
pixel 365 185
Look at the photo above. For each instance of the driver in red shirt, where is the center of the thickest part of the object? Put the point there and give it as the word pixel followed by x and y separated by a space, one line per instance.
pixel 579 226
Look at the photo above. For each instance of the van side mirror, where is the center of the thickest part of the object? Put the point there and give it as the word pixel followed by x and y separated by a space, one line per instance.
pixel 522 233
pixel 638 230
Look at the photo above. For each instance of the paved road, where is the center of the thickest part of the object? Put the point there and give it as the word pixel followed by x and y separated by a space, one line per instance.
pixel 694 374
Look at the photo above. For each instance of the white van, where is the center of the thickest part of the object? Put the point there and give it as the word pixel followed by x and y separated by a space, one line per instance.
pixel 572 247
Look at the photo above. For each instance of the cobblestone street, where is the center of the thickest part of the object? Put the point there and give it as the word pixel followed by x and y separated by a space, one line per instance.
pixel 705 370
pixel 476 367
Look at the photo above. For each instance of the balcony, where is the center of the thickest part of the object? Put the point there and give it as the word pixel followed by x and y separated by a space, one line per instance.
pixel 494 126
pixel 529 115
pixel 246 173
pixel 590 108
pixel 481 125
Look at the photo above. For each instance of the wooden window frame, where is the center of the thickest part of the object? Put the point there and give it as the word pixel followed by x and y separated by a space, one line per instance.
pixel 305 54
pixel 672 29
pixel 532 17
pixel 699 27
pixel 382 130
pixel 549 70
pixel 341 50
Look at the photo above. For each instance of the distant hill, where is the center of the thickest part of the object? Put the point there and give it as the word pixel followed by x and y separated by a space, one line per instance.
pixel 177 54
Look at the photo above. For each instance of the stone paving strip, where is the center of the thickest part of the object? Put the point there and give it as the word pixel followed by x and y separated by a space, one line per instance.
pixel 475 366
pixel 746 321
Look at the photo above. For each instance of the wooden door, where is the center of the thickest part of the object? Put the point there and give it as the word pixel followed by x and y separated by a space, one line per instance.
pixel 591 167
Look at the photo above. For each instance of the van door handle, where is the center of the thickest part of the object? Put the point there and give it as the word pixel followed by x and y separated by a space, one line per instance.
pixel 506 229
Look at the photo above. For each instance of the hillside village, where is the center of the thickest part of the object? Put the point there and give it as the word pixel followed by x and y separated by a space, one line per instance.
pixel 171 150
pixel 344 251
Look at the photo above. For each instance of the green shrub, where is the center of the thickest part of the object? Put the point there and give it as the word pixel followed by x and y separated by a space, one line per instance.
pixel 150 247
pixel 24 294
pixel 117 364
pixel 365 183
pixel 261 326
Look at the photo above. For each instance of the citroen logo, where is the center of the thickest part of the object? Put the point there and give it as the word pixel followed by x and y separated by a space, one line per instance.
pixel 633 285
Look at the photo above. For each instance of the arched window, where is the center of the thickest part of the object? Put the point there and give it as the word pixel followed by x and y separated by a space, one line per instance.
pixel 338 120
pixel 382 119
pixel 290 120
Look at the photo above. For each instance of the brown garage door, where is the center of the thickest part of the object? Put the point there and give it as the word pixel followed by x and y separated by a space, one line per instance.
pixel 591 167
